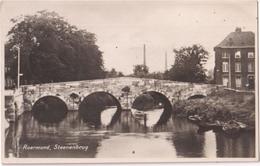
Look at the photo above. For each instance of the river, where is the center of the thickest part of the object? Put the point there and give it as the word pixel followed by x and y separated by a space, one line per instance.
pixel 73 138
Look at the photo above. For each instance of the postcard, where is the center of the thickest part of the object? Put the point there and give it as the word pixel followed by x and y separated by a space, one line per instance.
pixel 129 81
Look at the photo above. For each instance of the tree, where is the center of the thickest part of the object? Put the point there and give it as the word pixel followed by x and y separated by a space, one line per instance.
pixel 156 75
pixel 210 76
pixel 189 64
pixel 140 71
pixel 113 73
pixel 120 74
pixel 52 50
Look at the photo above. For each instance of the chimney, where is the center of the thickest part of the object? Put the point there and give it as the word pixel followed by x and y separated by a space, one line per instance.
pixel 238 29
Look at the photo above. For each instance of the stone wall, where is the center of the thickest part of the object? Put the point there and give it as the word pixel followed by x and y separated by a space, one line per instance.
pixel 172 90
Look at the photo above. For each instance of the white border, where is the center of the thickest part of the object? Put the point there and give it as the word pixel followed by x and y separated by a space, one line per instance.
pixel 128 160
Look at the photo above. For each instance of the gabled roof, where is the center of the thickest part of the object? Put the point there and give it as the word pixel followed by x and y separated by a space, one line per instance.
pixel 238 39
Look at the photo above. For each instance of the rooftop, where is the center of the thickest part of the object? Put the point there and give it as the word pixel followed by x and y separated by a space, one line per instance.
pixel 238 39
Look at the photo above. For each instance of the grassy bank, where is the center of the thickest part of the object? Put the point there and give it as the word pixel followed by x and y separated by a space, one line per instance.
pixel 222 105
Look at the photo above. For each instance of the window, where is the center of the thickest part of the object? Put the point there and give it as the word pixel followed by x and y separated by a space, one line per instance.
pixel 225 55
pixel 238 67
pixel 250 55
pixel 225 81
pixel 7 69
pixel 250 67
pixel 238 54
pixel 225 66
pixel 238 82
pixel 251 82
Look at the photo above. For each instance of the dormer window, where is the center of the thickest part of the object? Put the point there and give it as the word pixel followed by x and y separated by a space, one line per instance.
pixel 238 54
pixel 250 55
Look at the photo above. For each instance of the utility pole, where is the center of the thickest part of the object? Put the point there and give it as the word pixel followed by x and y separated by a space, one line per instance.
pixel 166 63
pixel 144 56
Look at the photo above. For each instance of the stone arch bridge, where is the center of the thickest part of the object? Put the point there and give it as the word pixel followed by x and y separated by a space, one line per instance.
pixel 172 90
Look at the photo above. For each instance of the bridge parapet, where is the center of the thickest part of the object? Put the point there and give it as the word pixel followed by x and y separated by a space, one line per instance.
pixel 171 89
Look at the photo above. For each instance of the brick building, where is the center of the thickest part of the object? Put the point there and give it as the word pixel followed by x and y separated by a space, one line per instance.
pixel 235 60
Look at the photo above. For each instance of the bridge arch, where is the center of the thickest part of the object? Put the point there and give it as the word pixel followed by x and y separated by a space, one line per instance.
pixel 160 98
pixel 196 96
pixel 49 109
pixel 93 106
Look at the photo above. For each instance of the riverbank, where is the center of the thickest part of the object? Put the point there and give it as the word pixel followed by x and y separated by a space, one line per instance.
pixel 219 108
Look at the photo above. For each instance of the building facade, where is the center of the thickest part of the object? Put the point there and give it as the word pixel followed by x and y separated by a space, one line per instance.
pixel 235 61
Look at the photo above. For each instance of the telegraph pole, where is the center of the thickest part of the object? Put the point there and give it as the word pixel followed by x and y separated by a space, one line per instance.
pixel 166 63
pixel 144 56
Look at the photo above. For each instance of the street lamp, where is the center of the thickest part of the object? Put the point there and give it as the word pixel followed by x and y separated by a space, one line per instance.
pixel 18 66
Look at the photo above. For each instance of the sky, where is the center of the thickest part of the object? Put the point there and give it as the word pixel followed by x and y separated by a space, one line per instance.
pixel 123 27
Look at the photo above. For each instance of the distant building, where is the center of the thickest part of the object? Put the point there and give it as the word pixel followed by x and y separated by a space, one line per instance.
pixel 235 60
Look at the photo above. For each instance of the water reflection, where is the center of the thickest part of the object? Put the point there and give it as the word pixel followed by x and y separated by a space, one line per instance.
pixel 240 146
pixel 152 109
pixel 136 145
pixel 100 108
pixel 187 142
pixel 126 138
pixel 49 109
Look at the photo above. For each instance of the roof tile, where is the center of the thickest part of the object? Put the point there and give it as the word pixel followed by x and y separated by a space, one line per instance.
pixel 238 40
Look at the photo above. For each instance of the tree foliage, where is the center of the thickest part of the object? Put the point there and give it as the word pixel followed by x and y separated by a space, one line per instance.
pixel 113 73
pixel 189 64
pixel 156 75
pixel 52 50
pixel 141 71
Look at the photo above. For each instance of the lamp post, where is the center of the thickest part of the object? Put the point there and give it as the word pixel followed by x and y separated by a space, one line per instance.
pixel 18 69
pixel 18 65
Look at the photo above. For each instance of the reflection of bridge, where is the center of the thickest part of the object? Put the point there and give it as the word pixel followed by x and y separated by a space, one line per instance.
pixel 172 90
